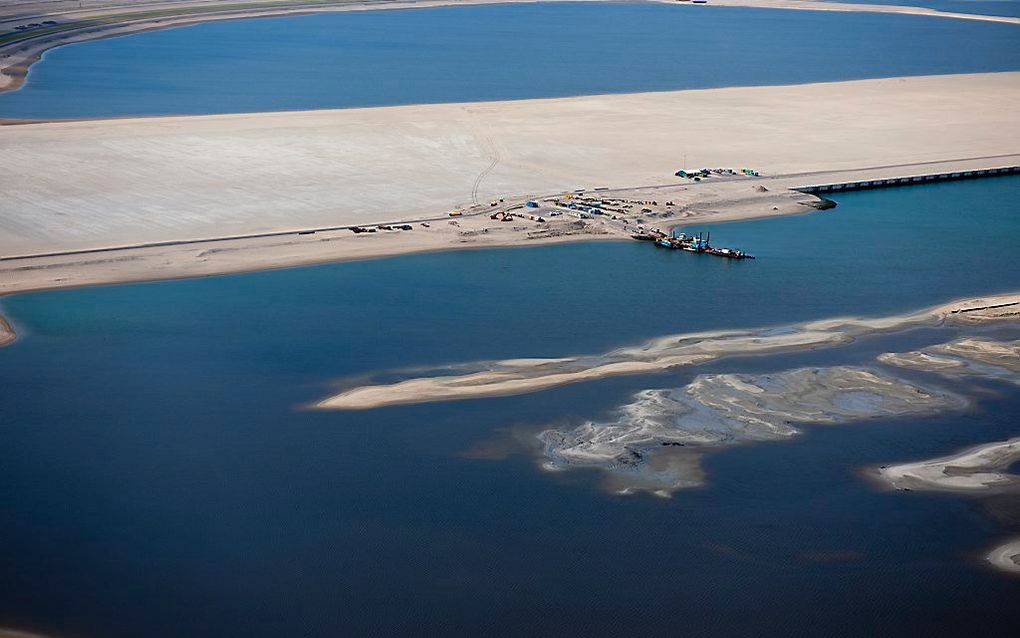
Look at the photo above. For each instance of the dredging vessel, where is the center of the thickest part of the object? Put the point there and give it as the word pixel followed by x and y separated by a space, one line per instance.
pixel 691 243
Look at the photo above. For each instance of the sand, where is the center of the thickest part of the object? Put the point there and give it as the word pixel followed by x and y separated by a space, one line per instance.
pixel 815 5
pixel 14 633
pixel 706 202
pixel 720 410
pixel 7 334
pixel 978 469
pixel 981 470
pixel 520 376
pixel 1006 557
pixel 72 186
pixel 107 18
pixel 970 356
pixel 79 185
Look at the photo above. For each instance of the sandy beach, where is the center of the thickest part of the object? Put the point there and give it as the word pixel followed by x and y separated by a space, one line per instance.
pixel 108 18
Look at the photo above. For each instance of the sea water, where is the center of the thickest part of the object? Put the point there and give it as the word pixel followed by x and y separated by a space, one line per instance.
pixel 495 52
pixel 161 477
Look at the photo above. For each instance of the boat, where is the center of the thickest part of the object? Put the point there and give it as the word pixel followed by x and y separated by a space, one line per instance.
pixel 691 243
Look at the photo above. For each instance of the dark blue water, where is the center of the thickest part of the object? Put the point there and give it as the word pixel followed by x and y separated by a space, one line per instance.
pixel 160 480
pixel 492 53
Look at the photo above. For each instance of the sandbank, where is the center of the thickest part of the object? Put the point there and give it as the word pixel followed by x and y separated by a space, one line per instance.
pixel 981 470
pixel 14 633
pixel 970 356
pixel 1006 556
pixel 720 410
pixel 520 376
pixel 7 334
pixel 978 469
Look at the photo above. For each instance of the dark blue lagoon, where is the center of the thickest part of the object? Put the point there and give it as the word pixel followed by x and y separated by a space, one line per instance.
pixel 496 52
pixel 161 479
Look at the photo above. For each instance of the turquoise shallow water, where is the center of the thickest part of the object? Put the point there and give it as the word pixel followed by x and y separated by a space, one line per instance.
pixel 160 479
pixel 492 53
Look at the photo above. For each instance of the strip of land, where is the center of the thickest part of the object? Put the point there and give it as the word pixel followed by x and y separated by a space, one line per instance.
pixel 521 376
pixel 126 200
pixel 28 29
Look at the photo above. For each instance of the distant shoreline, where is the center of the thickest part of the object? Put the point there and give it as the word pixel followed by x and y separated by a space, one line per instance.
pixel 19 51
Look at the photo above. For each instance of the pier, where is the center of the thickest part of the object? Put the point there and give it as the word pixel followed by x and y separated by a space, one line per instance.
pixel 890 182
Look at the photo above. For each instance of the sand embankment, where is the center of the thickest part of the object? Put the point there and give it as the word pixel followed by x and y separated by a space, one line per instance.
pixel 76 22
pixel 521 376
pixel 138 182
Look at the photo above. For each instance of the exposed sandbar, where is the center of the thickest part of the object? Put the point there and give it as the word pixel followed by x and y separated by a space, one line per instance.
pixel 519 376
pixel 7 334
pixel 728 409
pixel 14 633
pixel 1006 556
pixel 978 469
pixel 970 356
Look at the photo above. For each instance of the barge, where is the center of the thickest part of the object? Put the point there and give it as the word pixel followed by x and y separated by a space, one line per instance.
pixel 691 243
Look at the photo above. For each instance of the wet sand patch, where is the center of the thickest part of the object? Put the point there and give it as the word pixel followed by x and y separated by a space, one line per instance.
pixel 656 442
pixel 969 356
